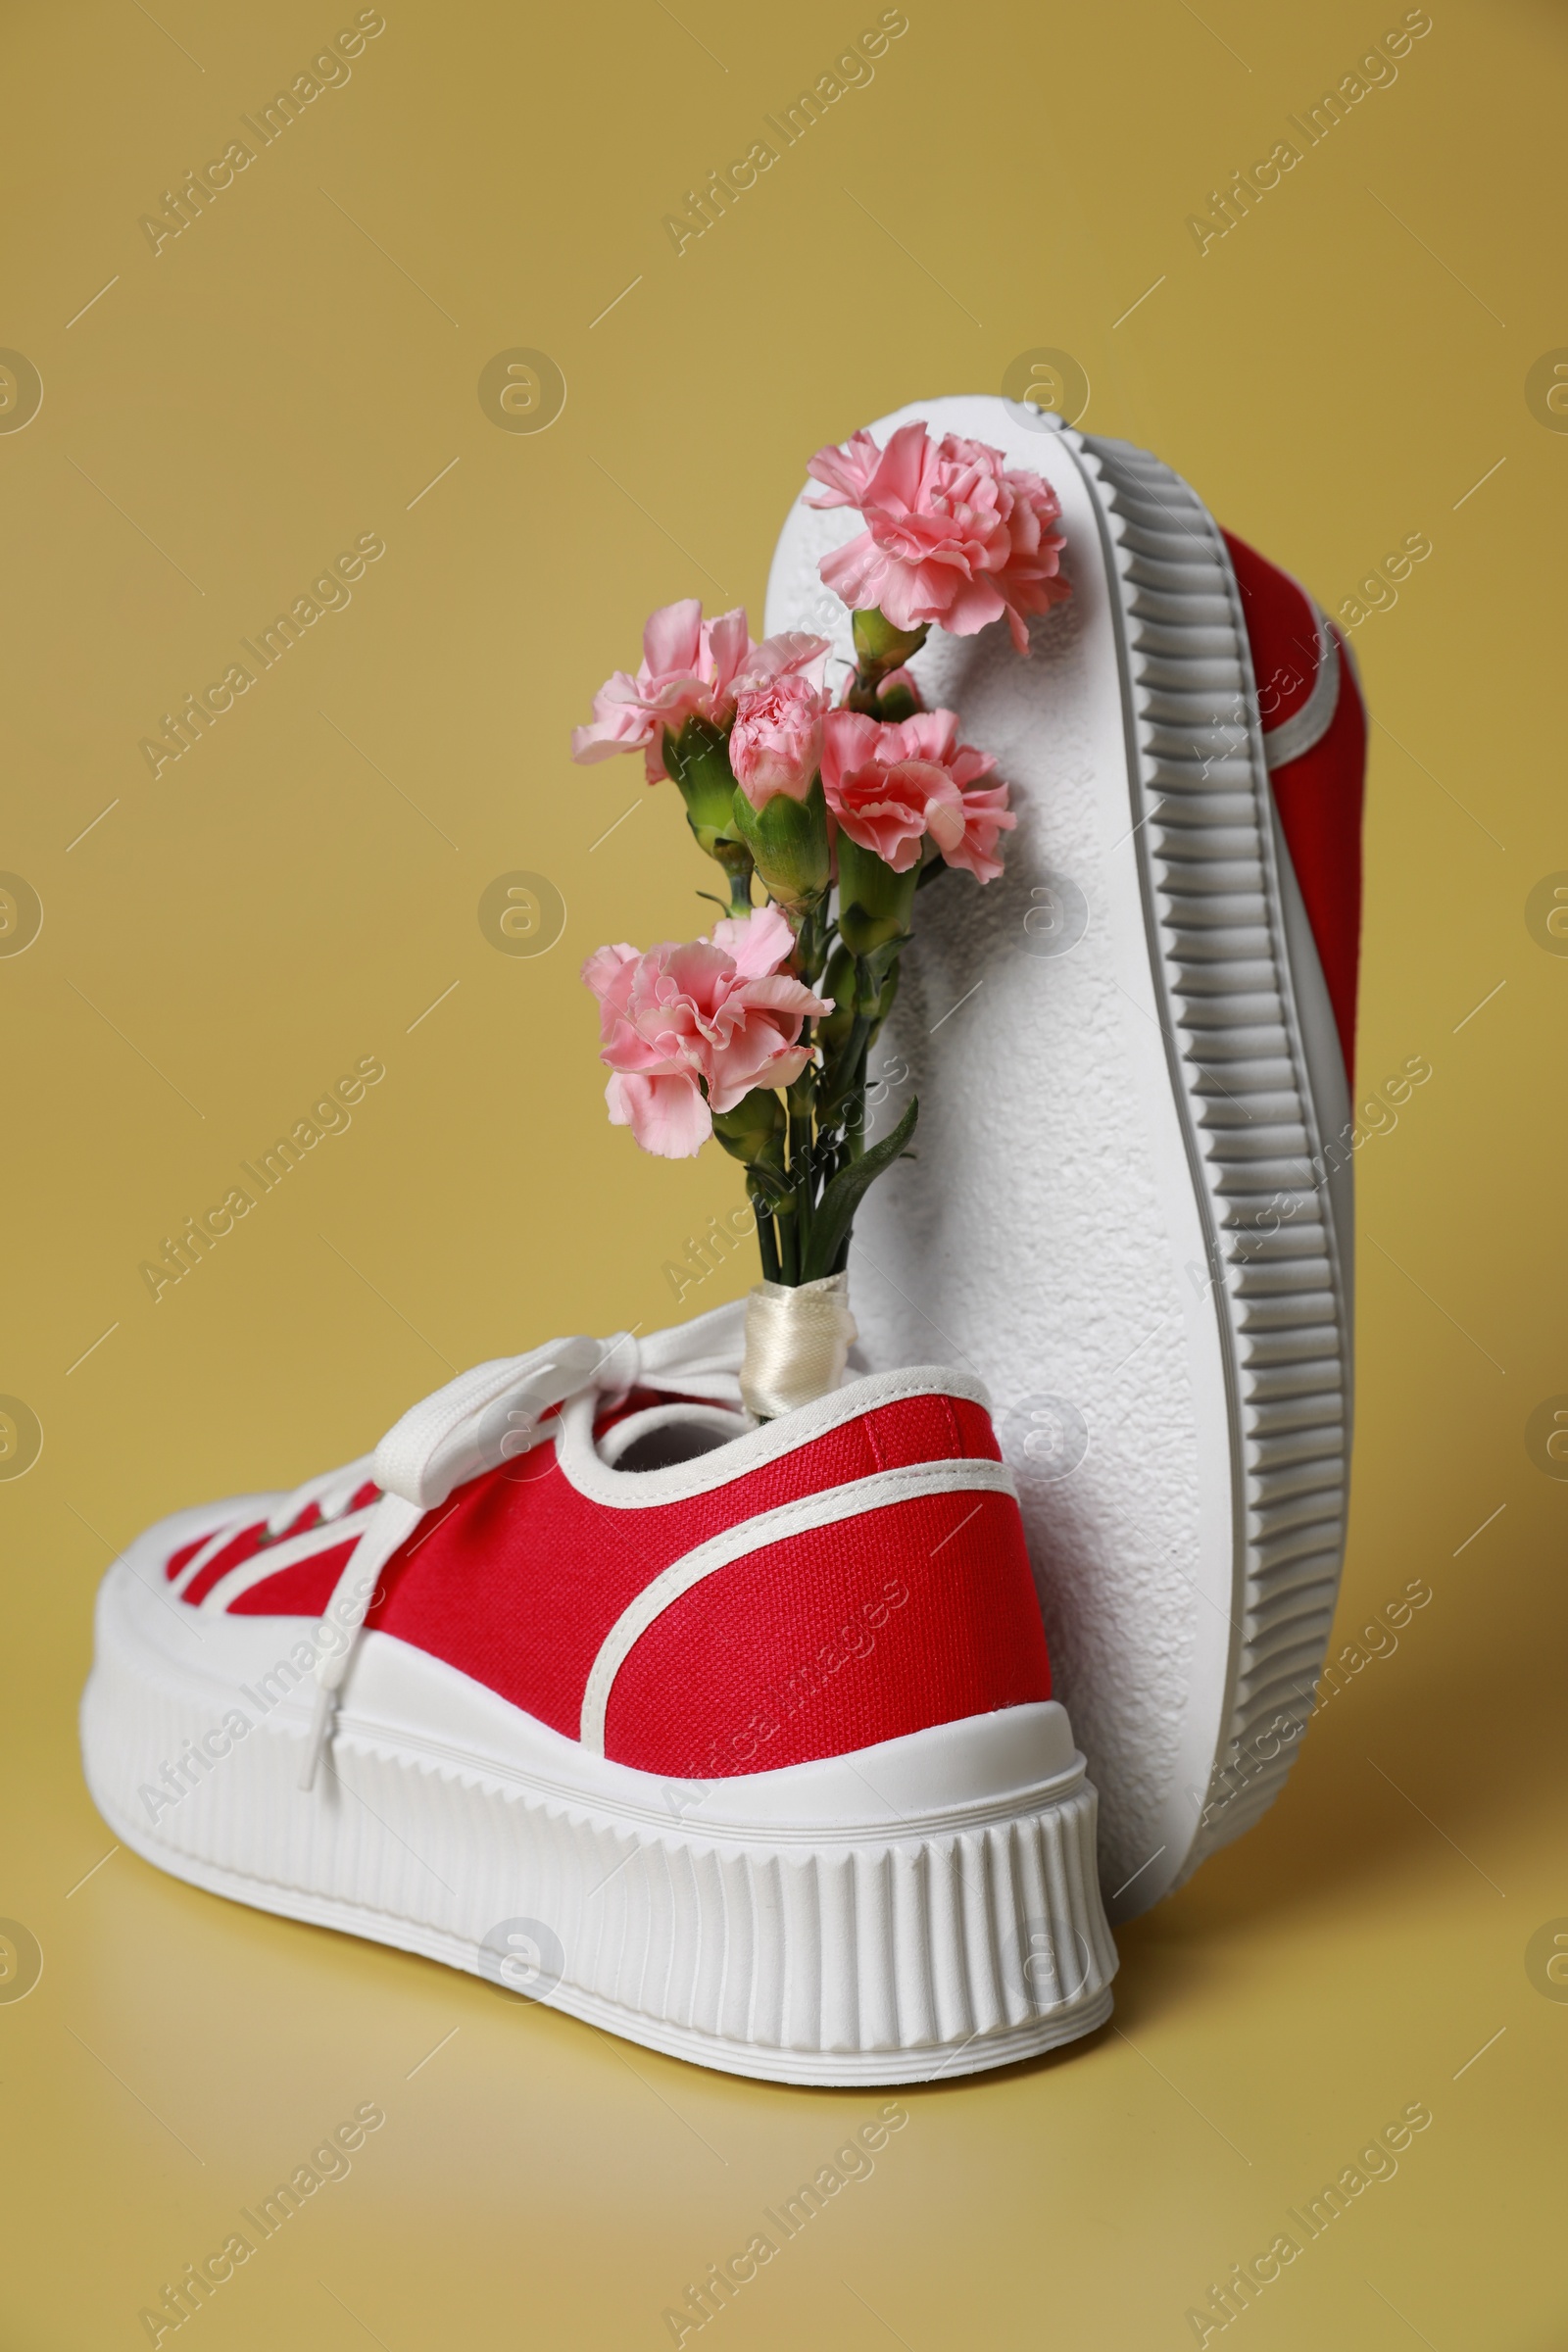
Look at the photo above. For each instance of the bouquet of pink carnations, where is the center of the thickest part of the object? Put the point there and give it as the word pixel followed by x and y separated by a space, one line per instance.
pixel 759 1034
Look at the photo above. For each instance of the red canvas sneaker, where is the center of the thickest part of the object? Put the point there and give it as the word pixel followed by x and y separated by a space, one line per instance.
pixel 736 1741
pixel 1131 1207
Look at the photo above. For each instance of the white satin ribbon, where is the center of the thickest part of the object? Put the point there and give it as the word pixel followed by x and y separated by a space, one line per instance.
pixel 798 1341
pixel 489 1416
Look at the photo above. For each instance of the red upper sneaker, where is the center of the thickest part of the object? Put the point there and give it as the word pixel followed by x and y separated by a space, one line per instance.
pixel 575 1578
pixel 691 1617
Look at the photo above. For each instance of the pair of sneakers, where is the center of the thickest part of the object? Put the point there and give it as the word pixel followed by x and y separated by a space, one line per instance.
pixel 742 1741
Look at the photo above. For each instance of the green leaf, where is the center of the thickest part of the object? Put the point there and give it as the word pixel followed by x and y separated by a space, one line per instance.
pixel 835 1212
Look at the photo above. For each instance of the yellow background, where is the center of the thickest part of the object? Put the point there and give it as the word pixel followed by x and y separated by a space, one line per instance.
pixel 291 371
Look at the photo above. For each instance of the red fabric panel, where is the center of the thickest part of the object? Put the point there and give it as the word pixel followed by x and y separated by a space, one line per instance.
pixel 922 1429
pixel 1319 799
pixel 244 1545
pixel 248 1540
pixel 301 1590
pixel 1319 796
pixel 977 1439
pixel 920 1614
pixel 1280 629
pixel 518 1581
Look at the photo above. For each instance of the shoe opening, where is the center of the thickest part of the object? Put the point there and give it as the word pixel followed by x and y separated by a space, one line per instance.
pixel 666 1435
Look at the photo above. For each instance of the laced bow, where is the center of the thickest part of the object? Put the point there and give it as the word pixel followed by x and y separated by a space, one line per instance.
pixel 492 1415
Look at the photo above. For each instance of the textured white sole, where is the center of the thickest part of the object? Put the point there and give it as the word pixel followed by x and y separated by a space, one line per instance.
pixel 923 1908
pixel 1126 1068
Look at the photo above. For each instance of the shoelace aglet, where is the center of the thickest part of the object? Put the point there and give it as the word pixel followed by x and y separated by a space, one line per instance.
pixel 319 1733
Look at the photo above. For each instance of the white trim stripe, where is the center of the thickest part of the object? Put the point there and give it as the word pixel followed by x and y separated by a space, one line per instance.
pixel 710 1473
pixel 211 1547
pixel 800 1517
pixel 274 1556
pixel 1308 725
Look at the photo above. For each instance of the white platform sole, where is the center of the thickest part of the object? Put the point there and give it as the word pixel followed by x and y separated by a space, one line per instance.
pixel 1118 1215
pixel 922 1908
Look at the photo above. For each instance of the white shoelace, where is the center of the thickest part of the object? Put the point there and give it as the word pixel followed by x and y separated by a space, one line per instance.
pixel 476 1422
pixel 331 1491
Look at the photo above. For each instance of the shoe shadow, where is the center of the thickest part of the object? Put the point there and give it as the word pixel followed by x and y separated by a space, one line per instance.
pixel 1397 1772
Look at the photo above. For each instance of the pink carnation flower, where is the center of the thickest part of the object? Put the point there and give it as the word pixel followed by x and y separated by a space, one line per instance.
pixel 718 1009
pixel 776 745
pixel 954 534
pixel 688 668
pixel 889 787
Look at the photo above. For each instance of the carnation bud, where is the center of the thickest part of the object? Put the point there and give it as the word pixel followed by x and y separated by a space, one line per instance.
pixel 752 1135
pixel 838 982
pixel 875 904
pixel 788 842
pixel 879 646
pixel 697 759
pixel 897 697
pixel 755 1121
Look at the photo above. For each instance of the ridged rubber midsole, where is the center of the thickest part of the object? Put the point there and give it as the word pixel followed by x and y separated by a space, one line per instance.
pixel 1237 992
pixel 962 1932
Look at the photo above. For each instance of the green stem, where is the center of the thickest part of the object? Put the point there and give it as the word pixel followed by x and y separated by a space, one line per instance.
pixel 767 1237
pixel 847 1073
pixel 856 1136
pixel 813 932
pixel 789 1248
pixel 841 1080
pixel 735 860
pixel 797 1103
